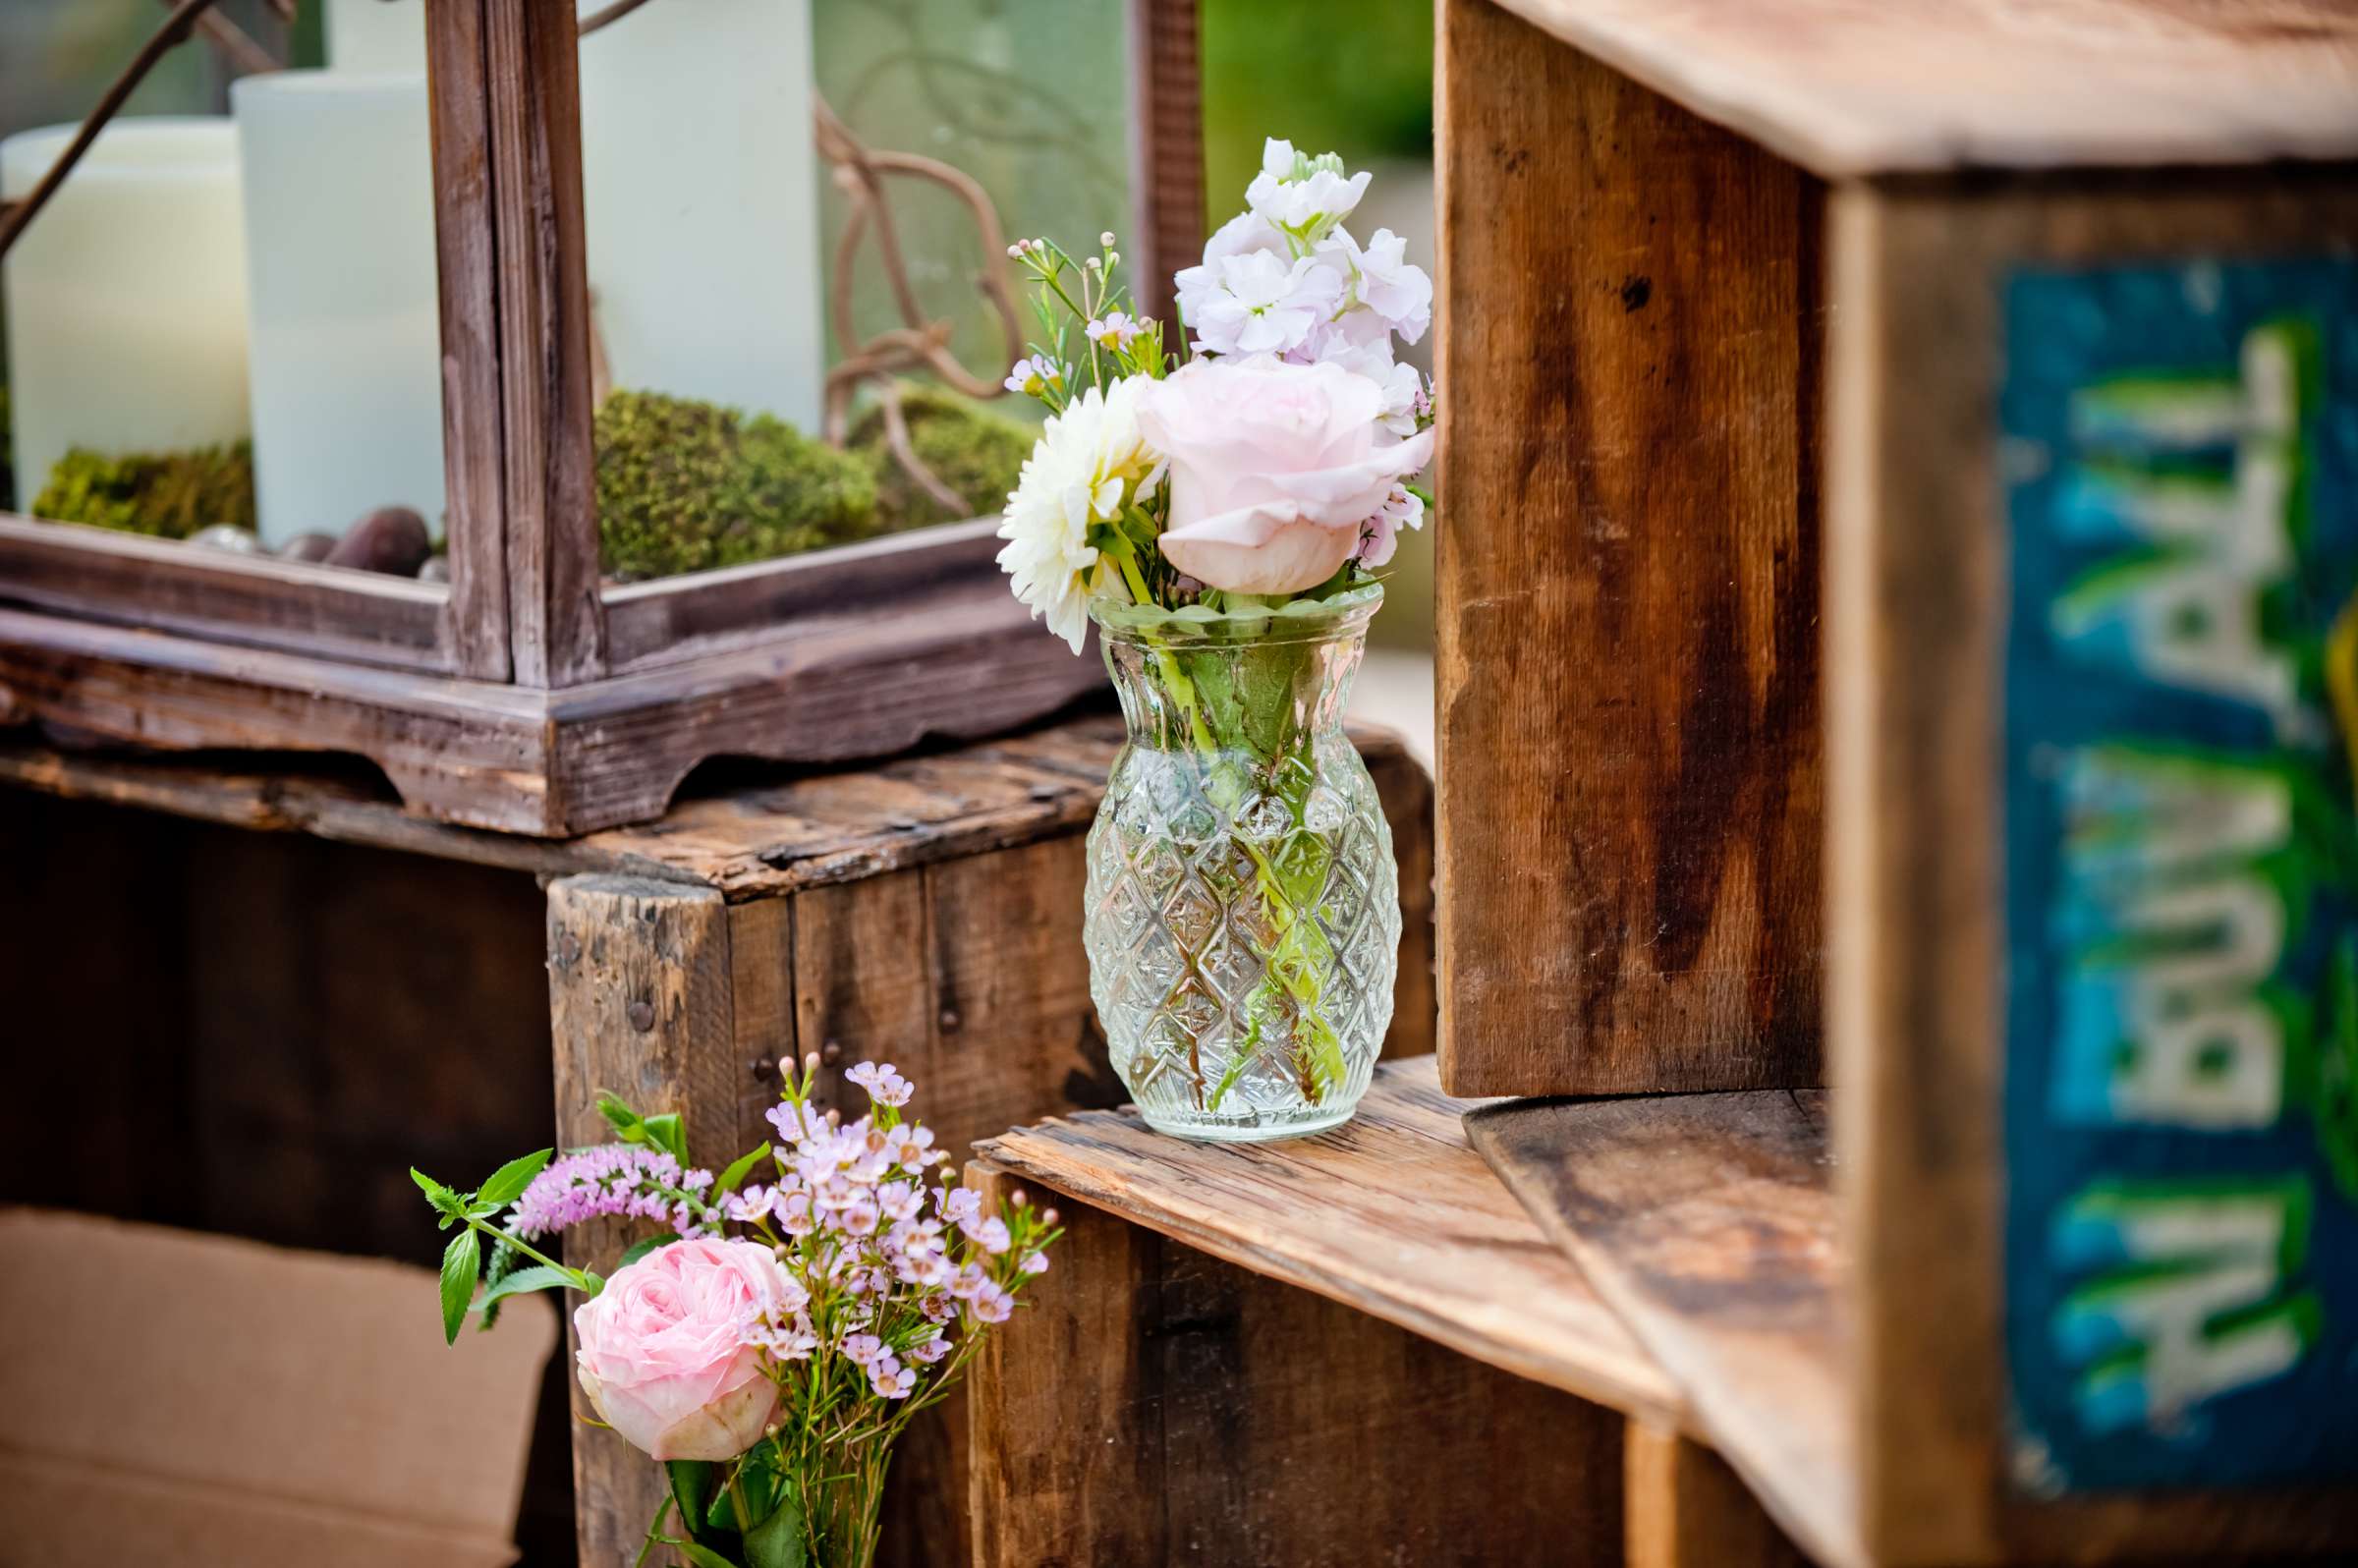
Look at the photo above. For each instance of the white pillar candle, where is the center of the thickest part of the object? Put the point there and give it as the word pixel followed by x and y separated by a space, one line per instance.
pixel 700 177
pixel 126 297
pixel 346 333
pixel 701 195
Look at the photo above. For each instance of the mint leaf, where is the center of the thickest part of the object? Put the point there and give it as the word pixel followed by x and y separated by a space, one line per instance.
pixel 507 1184
pixel 624 1120
pixel 460 1261
pixel 666 1133
pixel 445 1201
pixel 524 1281
pixel 739 1169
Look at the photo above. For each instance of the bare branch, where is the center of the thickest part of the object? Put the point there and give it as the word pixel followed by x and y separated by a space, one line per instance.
pixel 174 31
pixel 606 16
pixel 240 47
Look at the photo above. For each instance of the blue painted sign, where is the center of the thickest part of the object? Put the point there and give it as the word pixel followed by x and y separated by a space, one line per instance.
pixel 2181 456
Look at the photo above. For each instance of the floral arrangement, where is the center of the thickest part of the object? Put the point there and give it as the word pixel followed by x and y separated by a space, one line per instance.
pixel 1275 464
pixel 1223 519
pixel 771 1343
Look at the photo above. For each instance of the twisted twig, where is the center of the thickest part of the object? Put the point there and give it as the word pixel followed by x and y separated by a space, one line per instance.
pixel 173 32
pixel 916 343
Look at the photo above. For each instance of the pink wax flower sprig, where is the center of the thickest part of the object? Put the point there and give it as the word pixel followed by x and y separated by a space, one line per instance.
pixel 773 1342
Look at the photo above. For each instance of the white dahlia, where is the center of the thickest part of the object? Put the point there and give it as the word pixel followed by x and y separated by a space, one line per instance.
pixel 1090 460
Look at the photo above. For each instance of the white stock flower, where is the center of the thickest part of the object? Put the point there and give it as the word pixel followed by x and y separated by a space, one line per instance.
pixel 1260 303
pixel 1304 195
pixel 1382 280
pixel 1361 343
pixel 1086 459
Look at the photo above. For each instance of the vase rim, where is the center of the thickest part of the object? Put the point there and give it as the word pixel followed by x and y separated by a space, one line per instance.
pixel 1297 621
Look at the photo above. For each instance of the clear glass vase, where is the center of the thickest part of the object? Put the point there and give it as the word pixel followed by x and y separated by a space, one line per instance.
pixel 1244 907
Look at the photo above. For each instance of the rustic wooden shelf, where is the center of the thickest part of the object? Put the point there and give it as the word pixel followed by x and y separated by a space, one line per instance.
pixel 1393 1214
pixel 1707 1222
pixel 1916 86
pixel 760 833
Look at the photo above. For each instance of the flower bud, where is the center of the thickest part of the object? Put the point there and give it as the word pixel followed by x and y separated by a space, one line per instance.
pixel 1105 239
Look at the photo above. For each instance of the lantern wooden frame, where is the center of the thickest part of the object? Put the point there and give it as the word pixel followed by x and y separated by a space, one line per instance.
pixel 523 695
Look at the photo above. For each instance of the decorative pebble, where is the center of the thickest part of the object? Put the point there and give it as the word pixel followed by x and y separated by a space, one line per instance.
pixel 435 570
pixel 307 547
pixel 228 536
pixel 392 538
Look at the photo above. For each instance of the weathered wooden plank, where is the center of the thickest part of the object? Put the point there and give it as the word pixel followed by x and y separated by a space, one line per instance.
pixel 1167 162
pixel 641 1003
pixel 465 247
pixel 674 620
pixel 1627 660
pixel 1917 85
pixel 1915 625
pixel 1706 1221
pixel 755 840
pixel 556 623
pixel 1151 1404
pixel 467 751
pixel 336 612
pixel 1392 1214
pixel 1684 1508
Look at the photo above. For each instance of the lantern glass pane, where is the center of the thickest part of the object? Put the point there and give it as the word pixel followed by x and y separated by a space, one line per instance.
pixel 223 328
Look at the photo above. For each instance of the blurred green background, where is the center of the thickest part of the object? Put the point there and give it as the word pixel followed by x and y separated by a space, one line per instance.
pixel 1355 80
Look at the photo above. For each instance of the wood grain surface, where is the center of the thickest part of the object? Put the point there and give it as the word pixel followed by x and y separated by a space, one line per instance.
pixel 1627 659
pixel 752 835
pixel 1917 85
pixel 1916 1035
pixel 366 617
pixel 639 1003
pixel 466 278
pixel 1150 1403
pixel 556 620
pixel 1685 1508
pixel 1706 1221
pixel 1392 1214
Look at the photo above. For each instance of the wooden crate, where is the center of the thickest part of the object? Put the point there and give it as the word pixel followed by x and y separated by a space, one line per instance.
pixel 1322 1354
pixel 2002 362
pixel 527 694
pixel 926 911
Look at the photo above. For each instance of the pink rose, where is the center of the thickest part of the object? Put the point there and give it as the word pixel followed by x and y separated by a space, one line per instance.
pixel 1274 469
pixel 666 1353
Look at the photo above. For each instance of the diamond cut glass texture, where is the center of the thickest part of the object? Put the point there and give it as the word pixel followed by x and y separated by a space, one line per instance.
pixel 1243 920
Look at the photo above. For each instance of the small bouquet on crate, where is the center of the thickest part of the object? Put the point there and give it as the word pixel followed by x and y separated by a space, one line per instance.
pixel 773 1342
pixel 1221 521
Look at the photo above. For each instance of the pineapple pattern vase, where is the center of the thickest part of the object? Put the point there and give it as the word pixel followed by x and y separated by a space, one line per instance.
pixel 1242 924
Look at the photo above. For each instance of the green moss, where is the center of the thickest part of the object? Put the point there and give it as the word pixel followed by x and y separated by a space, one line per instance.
pixel 686 486
pixel 167 494
pixel 974 452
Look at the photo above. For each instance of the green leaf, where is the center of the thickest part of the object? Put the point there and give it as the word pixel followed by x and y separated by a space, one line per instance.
pixel 442 1198
pixel 624 1120
pixel 665 1133
pixel 640 1249
pixel 704 1556
pixel 778 1541
pixel 693 1483
pixel 739 1169
pixel 460 1261
pixel 507 1184
pixel 524 1281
